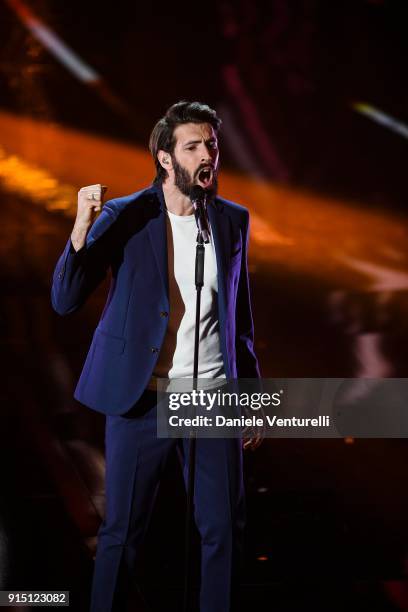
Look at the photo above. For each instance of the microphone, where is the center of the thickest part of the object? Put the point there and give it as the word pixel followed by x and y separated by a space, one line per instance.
pixel 198 199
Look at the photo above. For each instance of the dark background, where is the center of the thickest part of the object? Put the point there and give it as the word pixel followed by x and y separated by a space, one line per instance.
pixel 326 518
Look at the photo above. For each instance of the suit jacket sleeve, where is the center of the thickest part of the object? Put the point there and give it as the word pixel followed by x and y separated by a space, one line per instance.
pixel 247 363
pixel 78 273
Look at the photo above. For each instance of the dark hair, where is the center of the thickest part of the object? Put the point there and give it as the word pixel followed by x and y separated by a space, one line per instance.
pixel 162 136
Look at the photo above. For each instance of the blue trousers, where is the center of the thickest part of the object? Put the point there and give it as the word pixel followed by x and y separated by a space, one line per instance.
pixel 135 459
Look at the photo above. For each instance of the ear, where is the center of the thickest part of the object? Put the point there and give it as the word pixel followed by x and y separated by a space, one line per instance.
pixel 165 159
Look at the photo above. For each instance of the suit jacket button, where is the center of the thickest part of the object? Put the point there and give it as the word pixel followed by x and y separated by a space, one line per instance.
pixel 60 275
pixel 164 314
pixel 154 349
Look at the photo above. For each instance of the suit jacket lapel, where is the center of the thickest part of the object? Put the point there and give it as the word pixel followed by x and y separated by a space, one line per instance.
pixel 220 230
pixel 158 236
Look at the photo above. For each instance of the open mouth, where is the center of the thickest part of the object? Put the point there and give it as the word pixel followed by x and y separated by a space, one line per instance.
pixel 205 176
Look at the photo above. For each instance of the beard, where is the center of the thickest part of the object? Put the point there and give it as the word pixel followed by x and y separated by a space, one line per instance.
pixel 184 182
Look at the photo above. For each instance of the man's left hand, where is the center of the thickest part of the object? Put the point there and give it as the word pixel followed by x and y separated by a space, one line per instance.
pixel 252 442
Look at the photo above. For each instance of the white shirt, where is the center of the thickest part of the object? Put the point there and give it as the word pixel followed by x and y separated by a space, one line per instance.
pixel 176 359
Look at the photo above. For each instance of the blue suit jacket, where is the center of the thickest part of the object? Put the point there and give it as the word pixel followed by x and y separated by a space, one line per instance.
pixel 129 237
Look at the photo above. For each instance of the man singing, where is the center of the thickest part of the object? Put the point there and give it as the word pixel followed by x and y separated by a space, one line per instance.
pixel 148 241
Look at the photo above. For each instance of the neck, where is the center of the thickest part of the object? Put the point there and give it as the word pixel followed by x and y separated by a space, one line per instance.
pixel 176 202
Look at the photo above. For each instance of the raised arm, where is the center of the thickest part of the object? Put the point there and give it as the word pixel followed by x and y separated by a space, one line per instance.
pixel 87 255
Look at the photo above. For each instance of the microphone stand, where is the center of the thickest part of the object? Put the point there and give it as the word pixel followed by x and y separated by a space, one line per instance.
pixel 199 282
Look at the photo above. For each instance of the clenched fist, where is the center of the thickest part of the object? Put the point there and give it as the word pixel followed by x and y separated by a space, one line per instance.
pixel 90 201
